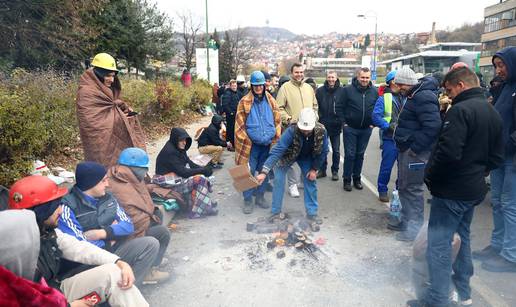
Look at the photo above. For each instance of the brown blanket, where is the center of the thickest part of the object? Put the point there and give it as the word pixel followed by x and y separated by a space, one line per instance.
pixel 134 197
pixel 103 125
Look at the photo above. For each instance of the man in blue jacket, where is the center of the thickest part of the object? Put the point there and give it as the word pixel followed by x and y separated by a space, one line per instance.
pixel 92 214
pixel 418 125
pixel 354 109
pixel 385 116
pixel 500 255
pixel 307 144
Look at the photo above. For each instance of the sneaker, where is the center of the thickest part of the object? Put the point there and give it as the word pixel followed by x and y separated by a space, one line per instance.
pixel 293 191
pixel 220 163
pixel 155 277
pixel 383 197
pixel 486 253
pixel 321 174
pixel 347 185
pixel 314 218
pixel 499 264
pixel 357 183
pixel 215 166
pixel 334 177
pixel 277 216
pixel 406 236
pixel 261 202
pixel 248 206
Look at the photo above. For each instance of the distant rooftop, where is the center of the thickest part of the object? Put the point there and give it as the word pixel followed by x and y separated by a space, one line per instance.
pixel 450 44
pixel 431 53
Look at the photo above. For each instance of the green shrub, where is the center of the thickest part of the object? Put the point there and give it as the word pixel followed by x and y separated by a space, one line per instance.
pixel 37 114
pixel 37 117
pixel 201 94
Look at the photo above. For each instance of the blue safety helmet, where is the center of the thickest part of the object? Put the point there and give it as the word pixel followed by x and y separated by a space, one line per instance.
pixel 133 156
pixel 257 78
pixel 390 76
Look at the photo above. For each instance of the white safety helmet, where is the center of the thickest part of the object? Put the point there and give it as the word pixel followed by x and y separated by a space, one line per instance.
pixel 307 119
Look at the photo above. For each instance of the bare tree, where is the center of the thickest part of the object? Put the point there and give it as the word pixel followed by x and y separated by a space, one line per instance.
pixel 189 27
pixel 239 50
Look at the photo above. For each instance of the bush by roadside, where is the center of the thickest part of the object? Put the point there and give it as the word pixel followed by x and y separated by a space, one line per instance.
pixel 37 115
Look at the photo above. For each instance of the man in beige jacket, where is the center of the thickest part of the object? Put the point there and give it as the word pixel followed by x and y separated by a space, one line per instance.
pixel 294 96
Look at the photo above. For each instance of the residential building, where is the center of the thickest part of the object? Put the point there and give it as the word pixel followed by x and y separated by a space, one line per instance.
pixel 499 32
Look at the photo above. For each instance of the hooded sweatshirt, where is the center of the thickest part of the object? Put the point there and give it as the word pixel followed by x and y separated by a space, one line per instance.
pixel 505 102
pixel 210 135
pixel 172 159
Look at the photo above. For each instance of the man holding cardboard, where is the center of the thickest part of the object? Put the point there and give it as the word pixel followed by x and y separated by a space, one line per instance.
pixel 307 144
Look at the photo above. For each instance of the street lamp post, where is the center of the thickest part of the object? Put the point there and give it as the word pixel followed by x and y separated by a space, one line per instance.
pixel 373 68
pixel 207 44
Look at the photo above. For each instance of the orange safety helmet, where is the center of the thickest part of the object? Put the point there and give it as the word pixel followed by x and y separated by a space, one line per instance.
pixel 32 191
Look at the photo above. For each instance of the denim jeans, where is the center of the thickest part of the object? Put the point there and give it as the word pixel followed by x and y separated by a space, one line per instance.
pixel 335 156
pixel 503 198
pixel 258 156
pixel 310 188
pixel 389 156
pixel 355 144
pixel 448 217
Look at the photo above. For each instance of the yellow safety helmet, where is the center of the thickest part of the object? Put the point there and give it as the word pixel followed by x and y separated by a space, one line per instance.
pixel 104 60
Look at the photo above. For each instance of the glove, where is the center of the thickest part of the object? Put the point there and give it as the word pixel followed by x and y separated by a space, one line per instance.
pixel 207 171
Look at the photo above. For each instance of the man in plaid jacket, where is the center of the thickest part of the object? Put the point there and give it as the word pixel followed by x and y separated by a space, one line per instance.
pixel 257 127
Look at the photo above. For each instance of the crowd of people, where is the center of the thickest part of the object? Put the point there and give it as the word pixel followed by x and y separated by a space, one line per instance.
pixel 105 237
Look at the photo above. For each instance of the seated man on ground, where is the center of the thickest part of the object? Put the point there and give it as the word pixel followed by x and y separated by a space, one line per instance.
pixel 173 160
pixel 127 183
pixel 110 281
pixel 210 142
pixel 92 214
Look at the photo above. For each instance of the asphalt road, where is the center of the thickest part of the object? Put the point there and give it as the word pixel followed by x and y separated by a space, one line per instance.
pixel 216 262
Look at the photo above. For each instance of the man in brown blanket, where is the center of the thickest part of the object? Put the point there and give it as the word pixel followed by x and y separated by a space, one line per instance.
pixel 126 180
pixel 107 125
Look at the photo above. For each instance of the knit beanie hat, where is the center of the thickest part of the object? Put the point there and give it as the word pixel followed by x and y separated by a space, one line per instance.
pixel 88 174
pixel 406 76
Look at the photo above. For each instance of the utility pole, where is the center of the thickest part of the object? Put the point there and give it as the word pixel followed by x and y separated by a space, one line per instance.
pixel 373 67
pixel 207 44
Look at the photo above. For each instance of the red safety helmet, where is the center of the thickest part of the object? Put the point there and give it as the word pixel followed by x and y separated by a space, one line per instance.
pixel 32 191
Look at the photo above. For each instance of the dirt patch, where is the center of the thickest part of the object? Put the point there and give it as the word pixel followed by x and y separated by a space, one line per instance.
pixel 368 221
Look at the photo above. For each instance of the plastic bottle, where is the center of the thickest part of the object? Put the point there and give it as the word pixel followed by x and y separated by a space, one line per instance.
pixel 395 208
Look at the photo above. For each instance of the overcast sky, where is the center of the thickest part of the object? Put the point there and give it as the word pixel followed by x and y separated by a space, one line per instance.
pixel 324 16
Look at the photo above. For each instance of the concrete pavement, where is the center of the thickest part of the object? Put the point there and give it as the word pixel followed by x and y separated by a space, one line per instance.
pixel 215 262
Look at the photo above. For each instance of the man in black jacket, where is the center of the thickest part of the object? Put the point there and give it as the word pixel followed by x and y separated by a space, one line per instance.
pixel 210 142
pixel 230 101
pixel 173 157
pixel 327 97
pixel 354 109
pixel 468 148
